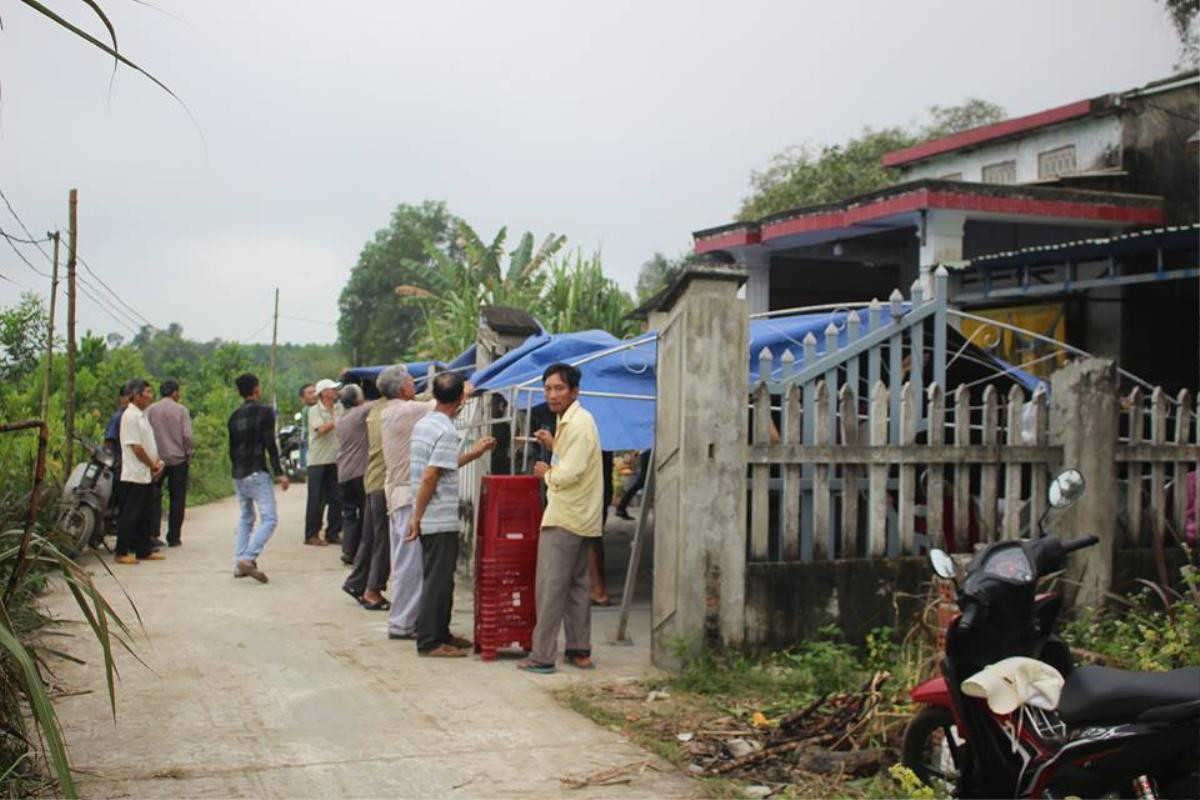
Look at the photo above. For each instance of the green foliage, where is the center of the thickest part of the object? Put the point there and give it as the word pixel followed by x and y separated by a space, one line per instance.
pixel 786 679
pixel 659 271
pixel 578 298
pixel 373 328
pixel 568 293
pixel 22 337
pixel 24 697
pixel 1148 629
pixel 801 176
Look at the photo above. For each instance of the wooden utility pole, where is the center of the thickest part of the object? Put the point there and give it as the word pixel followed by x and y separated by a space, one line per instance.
pixel 274 341
pixel 72 245
pixel 50 332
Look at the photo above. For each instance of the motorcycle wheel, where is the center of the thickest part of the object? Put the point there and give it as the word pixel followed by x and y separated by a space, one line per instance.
pixel 78 523
pixel 932 750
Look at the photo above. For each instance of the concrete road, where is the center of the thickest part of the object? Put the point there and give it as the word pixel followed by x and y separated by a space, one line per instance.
pixel 290 689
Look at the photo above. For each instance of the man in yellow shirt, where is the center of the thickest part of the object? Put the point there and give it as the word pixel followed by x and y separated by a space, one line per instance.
pixel 575 497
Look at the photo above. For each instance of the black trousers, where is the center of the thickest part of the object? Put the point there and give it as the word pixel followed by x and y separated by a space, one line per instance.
pixel 173 484
pixel 322 498
pixel 440 552
pixel 136 522
pixel 353 500
pixel 373 563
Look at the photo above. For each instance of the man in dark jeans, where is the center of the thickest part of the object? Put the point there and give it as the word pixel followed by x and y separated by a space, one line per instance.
pixel 322 480
pixel 172 426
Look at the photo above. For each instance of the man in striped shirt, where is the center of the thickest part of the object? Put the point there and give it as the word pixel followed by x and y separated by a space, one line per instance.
pixel 433 468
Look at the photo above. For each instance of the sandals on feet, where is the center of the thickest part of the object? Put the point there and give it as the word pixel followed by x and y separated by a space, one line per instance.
pixel 378 605
pixel 536 667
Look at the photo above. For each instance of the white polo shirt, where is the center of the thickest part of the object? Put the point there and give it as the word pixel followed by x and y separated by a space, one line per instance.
pixel 135 429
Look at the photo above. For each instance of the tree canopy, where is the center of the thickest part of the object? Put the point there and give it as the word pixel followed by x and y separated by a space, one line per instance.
pixel 372 327
pixel 807 175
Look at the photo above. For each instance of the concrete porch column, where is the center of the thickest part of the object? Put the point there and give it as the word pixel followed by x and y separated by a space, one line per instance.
pixel 700 466
pixel 941 243
pixel 757 263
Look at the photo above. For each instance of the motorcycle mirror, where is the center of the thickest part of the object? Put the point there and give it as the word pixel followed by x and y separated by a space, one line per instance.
pixel 942 564
pixel 1066 488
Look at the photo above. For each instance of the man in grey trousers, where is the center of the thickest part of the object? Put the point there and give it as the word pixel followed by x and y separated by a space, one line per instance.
pixel 572 519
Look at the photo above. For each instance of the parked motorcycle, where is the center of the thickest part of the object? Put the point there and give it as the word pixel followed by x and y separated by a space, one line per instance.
pixel 1114 733
pixel 86 507
pixel 290 437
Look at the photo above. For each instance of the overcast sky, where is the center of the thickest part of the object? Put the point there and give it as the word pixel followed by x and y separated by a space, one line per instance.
pixel 624 125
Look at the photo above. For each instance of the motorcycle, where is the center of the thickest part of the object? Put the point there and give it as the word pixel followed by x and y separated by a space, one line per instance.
pixel 87 511
pixel 290 437
pixel 1113 731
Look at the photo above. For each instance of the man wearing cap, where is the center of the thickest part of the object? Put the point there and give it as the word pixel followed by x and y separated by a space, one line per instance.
pixel 322 475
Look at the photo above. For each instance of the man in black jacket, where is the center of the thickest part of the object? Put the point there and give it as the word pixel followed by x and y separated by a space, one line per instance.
pixel 251 442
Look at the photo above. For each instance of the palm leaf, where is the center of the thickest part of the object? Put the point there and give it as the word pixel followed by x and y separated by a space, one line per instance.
pixel 34 689
pixel 519 259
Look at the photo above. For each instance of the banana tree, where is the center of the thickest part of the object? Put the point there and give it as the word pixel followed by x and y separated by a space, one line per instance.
pixel 484 274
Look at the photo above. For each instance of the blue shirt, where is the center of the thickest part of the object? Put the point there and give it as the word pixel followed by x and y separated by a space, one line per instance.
pixel 113 432
pixel 435 444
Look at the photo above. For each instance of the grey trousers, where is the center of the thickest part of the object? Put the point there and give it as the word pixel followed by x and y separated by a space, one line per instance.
pixel 372 562
pixel 562 595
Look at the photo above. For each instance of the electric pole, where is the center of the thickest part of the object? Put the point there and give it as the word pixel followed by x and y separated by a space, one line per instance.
pixel 50 332
pixel 72 245
pixel 274 340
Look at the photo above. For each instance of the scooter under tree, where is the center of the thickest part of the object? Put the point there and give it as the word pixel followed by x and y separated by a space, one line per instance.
pixel 1114 732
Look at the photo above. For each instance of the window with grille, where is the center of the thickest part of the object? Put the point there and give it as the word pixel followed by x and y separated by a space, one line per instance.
pixel 1003 172
pixel 1059 161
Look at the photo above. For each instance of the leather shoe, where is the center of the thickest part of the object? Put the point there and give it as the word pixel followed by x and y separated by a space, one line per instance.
pixel 459 642
pixel 445 651
pixel 249 568
pixel 622 513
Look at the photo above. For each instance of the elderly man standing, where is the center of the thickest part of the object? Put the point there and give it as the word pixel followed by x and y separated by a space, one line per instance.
pixel 397 419
pixel 322 477
pixel 434 469
pixel 369 577
pixel 140 465
pixel 172 425
pixel 351 429
pixel 574 492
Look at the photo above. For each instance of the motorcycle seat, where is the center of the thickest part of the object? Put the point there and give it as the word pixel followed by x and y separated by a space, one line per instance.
pixel 1103 695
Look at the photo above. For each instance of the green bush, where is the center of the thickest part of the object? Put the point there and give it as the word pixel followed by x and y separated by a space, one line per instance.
pixel 1150 629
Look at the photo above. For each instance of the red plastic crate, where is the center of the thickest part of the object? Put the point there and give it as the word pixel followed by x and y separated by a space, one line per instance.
pixel 510 516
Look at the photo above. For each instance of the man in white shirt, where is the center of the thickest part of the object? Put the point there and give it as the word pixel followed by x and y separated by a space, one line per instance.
pixel 140 466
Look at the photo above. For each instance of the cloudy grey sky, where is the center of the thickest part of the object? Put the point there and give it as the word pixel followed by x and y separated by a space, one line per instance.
pixel 624 125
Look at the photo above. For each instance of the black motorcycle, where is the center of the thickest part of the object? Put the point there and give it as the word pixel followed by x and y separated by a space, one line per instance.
pixel 1115 732
pixel 290 439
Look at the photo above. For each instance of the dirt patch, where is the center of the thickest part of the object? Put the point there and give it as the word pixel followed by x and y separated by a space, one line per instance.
pixel 836 745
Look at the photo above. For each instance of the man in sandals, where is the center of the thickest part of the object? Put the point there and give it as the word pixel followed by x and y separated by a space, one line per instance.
pixel 574 493
pixel 433 468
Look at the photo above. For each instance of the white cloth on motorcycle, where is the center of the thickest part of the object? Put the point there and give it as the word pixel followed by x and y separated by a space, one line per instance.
pixel 1009 684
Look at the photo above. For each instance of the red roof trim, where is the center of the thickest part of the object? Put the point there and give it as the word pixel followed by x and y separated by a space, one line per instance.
pixel 924 198
pixel 986 133
pixel 724 241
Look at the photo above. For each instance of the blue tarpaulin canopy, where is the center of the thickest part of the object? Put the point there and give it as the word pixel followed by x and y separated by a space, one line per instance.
pixel 618 382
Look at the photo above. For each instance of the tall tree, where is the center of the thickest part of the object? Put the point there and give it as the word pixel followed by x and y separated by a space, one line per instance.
pixel 659 271
pixel 1185 16
pixel 801 176
pixel 373 328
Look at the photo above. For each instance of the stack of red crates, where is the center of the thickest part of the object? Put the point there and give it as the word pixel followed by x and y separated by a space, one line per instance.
pixel 510 515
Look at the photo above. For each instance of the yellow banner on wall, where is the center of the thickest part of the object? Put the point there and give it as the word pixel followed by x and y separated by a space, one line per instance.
pixel 1033 355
